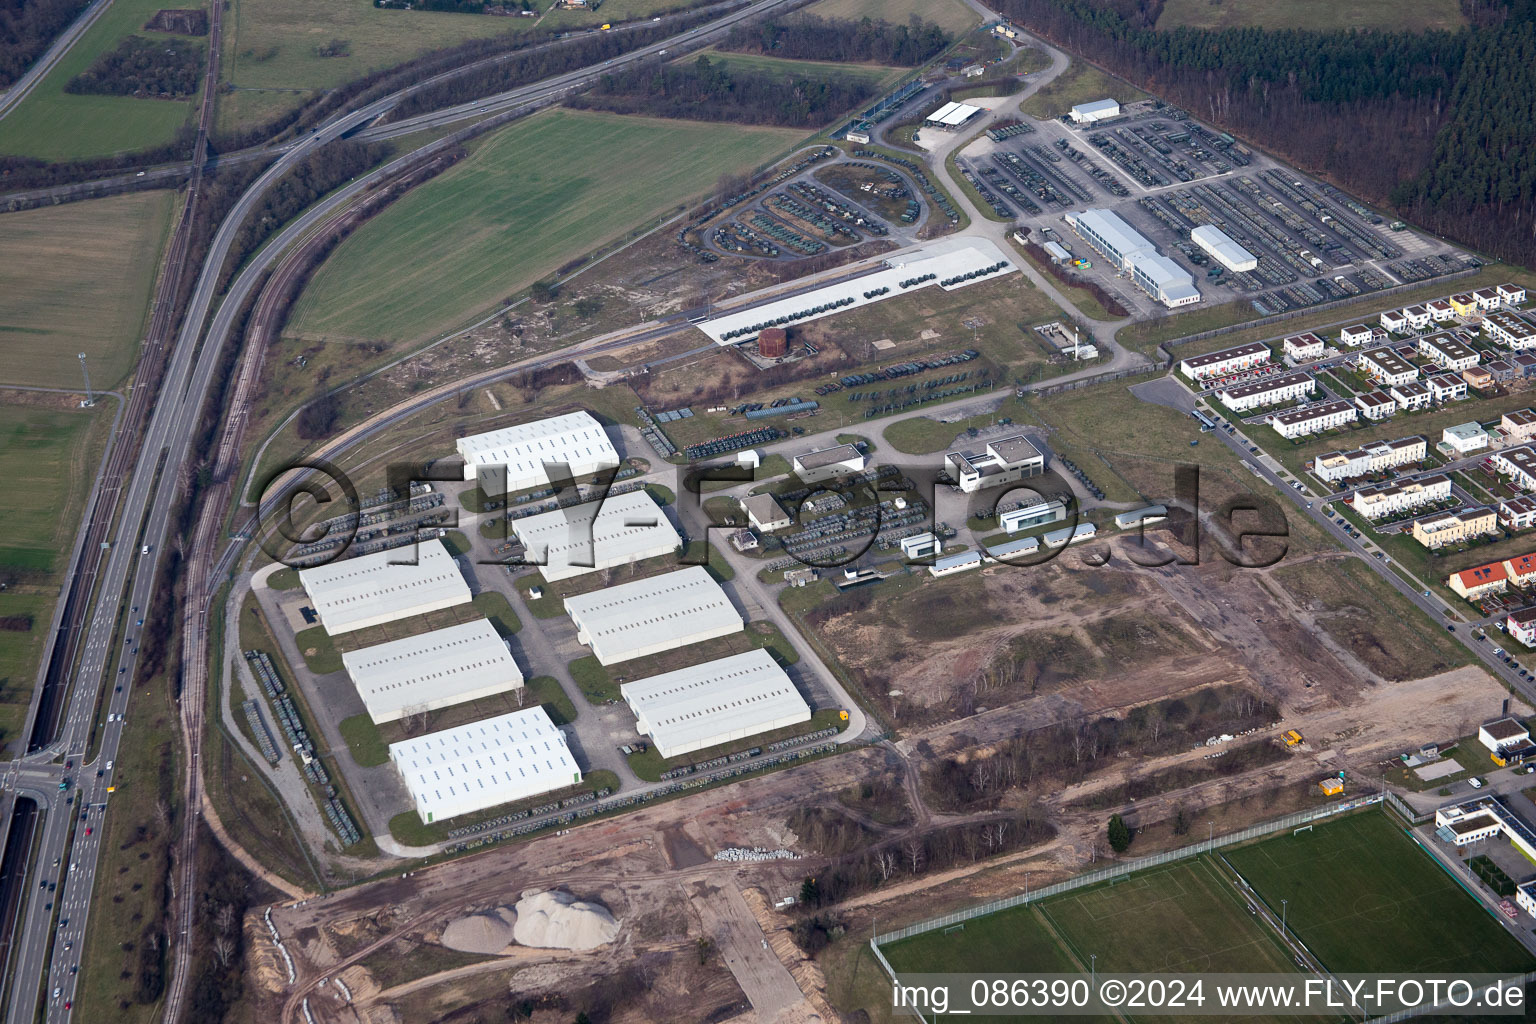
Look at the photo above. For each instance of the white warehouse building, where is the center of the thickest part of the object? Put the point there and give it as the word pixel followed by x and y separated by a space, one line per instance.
pixel 717 702
pixel 1220 245
pixel 617 530
pixel 653 615
pixel 485 764
pixel 433 670
pixel 372 589
pixel 1097 110
pixel 1158 276
pixel 575 440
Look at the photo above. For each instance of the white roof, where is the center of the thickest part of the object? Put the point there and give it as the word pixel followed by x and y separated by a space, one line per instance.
pixel 714 703
pixel 617 530
pixel 484 764
pixel 1219 244
pixel 951 114
pixel 381 587
pixel 1097 107
pixel 1172 280
pixel 945 259
pixel 654 614
pixel 576 439
pixel 433 670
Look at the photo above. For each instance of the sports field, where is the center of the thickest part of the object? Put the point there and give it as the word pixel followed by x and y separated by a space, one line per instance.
pixel 1364 897
pixel 272 47
pixel 1316 15
pixel 532 197
pixel 48 460
pixel 77 278
pixel 54 125
pixel 951 15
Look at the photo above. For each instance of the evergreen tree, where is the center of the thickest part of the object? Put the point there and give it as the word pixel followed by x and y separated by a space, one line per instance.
pixel 1119 834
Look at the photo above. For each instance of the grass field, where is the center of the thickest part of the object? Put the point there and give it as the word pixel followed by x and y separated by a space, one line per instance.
pixel 1316 15
pixel 271 47
pixel 1078 84
pixel 951 15
pixel 815 70
pixel 533 196
pixel 48 458
pixel 1361 876
pixel 77 278
pixel 54 125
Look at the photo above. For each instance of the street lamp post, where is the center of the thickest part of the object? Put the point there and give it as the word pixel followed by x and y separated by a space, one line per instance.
pixel 1210 842
pixel 1282 917
pixel 1093 968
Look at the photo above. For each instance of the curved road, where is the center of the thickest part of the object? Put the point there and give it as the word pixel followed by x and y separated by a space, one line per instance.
pixel 23 86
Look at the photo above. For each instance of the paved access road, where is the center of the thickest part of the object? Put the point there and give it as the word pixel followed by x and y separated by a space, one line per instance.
pixel 23 86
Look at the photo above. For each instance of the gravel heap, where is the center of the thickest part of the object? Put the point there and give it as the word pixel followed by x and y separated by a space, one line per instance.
pixel 489 931
pixel 558 920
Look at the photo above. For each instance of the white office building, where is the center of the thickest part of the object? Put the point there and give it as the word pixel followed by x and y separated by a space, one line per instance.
pixel 1157 275
pixel 369 590
pixel 1037 514
pixel 1003 461
pixel 433 670
pixel 531 451
pixel 1221 246
pixel 714 703
pixel 652 615
pixel 617 530
pixel 484 764
pixel 826 463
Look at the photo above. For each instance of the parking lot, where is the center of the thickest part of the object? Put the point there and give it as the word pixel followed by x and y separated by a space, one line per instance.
pixel 1165 173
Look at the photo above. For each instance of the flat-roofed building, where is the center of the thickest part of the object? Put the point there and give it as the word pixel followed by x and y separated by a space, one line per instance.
pixel 1477 378
pixel 1037 514
pixel 1463 827
pixel 1013 549
pixel 574 443
pixel 951 116
pixel 1525 364
pixel 1070 535
pixel 922 545
pixel 1375 457
pixel 1465 438
pixel 1125 247
pixel 369 590
pixel 1503 733
pixel 1390 499
pixel 1456 527
pixel 652 615
pixel 1522 626
pixel 618 530
pixel 961 561
pixel 1519 464
pixel 1413 395
pixel 1226 251
pixel 1314 419
pixel 1418 317
pixel 1376 405
pixel 1500 370
pixel 1303 348
pixel 1519 512
pixel 1439 310
pixel 764 512
pixel 1395 321
pixel 1479 581
pixel 714 703
pixel 1355 335
pixel 1002 462
pixel 1448 353
pixel 1446 387
pixel 1226 361
pixel 433 670
pixel 1141 517
pixel 1518 426
pixel 826 463
pixel 1463 303
pixel 1386 367
pixel 1487 299
pixel 1511 294
pixel 1510 330
pixel 1285 387
pixel 484 764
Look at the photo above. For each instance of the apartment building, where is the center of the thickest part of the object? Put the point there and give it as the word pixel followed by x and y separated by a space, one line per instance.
pixel 1448 353
pixel 1376 405
pixel 1286 387
pixel 1518 513
pixel 1446 387
pixel 1413 395
pixel 1376 457
pixel 1313 419
pixel 1519 464
pixel 1389 499
pixel 1386 367
pixel 1303 348
pixel 1456 527
pixel 1355 335
pixel 1229 360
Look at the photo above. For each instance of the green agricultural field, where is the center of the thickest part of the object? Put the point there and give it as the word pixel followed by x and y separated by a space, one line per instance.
pixel 48 459
pixel 612 11
pixel 272 47
pixel 1078 84
pixel 951 15
pixel 77 278
pixel 1362 876
pixel 52 124
pixel 530 198
pixel 1317 15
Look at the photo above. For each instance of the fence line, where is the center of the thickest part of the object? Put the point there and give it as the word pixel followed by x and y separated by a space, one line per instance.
pixel 1125 868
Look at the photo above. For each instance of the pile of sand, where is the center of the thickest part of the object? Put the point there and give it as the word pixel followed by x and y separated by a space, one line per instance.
pixel 489 931
pixel 558 920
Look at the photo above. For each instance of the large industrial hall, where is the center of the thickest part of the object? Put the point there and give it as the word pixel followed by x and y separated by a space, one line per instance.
pixel 433 670
pixel 706 705
pixel 617 530
pixel 653 615
pixel 369 590
pixel 529 452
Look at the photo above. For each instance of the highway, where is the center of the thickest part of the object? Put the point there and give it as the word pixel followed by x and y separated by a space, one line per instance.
pixel 23 86
pixel 46 960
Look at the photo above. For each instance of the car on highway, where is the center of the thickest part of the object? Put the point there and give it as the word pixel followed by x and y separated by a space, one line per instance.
pixel 88 830
pixel 110 764
pixel 56 993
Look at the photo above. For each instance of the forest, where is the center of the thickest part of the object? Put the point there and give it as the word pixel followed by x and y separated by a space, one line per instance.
pixel 807 37
pixel 147 68
pixel 1437 123
pixel 707 90
pixel 28 28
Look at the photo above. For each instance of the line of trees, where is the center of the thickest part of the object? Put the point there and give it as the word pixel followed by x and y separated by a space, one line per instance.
pixel 164 69
pixel 807 37
pixel 29 27
pixel 1437 123
pixel 708 90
